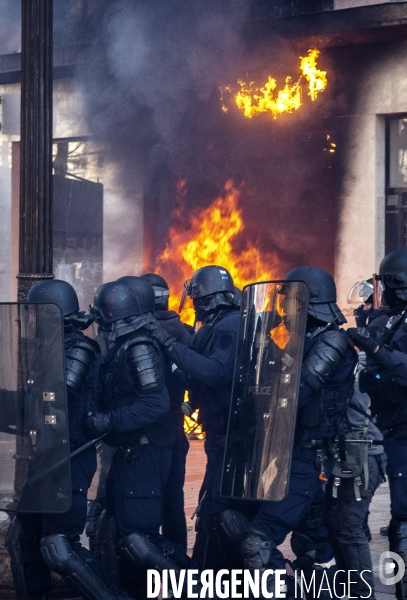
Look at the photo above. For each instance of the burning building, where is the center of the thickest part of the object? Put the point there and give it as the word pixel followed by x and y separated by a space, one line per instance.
pixel 257 134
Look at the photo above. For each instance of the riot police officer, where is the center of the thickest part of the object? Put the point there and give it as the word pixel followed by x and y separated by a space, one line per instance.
pixel 209 363
pixel 174 525
pixel 39 543
pixel 385 380
pixel 325 388
pixel 135 404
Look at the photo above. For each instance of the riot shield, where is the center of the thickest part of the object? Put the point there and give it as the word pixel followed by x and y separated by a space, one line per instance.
pixel 265 391
pixel 34 442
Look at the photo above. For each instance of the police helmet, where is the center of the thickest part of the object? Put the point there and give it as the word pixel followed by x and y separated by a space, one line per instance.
pixel 161 290
pixel 393 271
pixel 114 301
pixel 322 293
pixel 55 291
pixel 209 288
pixel 142 289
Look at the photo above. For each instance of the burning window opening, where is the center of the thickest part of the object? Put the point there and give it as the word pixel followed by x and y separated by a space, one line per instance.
pixel 206 238
pixel 253 101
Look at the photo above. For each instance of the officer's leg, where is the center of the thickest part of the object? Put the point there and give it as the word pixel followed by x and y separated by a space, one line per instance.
pixel 396 449
pixel 60 545
pixel 174 526
pixel 31 576
pixel 138 483
pixel 315 558
pixel 277 520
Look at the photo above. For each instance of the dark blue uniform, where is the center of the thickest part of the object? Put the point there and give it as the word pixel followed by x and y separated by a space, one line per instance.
pixel 210 366
pixel 174 525
pixel 316 424
pixel 143 437
pixel 83 467
pixel 385 380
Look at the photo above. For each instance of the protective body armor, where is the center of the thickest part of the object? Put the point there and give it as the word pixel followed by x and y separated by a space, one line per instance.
pixel 211 401
pixel 82 361
pixel 327 405
pixel 388 397
pixel 134 366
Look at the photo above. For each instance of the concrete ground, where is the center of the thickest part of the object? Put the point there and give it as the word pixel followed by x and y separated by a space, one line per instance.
pixel 379 514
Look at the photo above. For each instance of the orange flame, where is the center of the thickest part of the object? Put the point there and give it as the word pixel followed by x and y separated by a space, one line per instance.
pixel 207 239
pixel 254 101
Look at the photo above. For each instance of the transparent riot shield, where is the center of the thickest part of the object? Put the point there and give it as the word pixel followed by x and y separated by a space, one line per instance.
pixel 34 442
pixel 265 391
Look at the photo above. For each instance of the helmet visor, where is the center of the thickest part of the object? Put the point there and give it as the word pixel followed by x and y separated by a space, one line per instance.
pixel 360 292
pixel 186 292
pixel 378 291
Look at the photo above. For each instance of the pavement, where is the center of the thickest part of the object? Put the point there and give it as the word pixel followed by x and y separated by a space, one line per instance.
pixel 196 461
pixel 379 515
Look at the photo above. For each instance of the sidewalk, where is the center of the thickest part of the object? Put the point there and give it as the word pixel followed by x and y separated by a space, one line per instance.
pixel 379 514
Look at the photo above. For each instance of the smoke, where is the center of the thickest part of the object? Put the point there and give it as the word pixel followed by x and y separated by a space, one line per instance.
pixel 150 83
pixel 10 27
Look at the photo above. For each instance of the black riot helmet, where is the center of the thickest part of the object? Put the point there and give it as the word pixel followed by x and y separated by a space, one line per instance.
pixel 55 291
pixel 161 290
pixel 114 301
pixel 142 289
pixel 322 293
pixel 210 287
pixel 393 272
pixel 361 293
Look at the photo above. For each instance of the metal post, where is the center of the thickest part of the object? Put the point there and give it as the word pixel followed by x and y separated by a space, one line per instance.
pixel 35 238
pixel 35 245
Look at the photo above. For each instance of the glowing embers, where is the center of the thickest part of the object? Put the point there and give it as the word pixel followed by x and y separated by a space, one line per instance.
pixel 206 237
pixel 253 100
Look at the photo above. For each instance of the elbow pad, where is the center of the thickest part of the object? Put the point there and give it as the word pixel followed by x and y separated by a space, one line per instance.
pixel 323 359
pixel 145 367
pixel 78 359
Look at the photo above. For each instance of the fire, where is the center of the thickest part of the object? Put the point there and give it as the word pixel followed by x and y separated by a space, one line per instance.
pixel 206 238
pixel 254 101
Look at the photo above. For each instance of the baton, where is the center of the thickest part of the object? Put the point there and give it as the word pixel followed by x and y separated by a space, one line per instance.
pixel 61 462
pixel 199 505
pixel 375 442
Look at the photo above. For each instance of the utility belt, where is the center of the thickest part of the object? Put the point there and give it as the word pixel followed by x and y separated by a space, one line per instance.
pixel 130 452
pixel 313 444
pixel 323 448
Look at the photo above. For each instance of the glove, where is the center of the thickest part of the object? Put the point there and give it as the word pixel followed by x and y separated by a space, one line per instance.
pixel 363 340
pixel 99 424
pixel 164 338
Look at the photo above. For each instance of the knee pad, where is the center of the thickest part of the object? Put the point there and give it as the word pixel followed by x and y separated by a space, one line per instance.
pixel 60 558
pixel 145 554
pixel 256 549
pixel 233 524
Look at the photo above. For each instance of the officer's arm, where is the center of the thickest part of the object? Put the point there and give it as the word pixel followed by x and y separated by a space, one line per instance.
pixel 150 407
pixel 215 370
pixel 78 360
pixel 321 363
pixel 395 362
pixel 152 399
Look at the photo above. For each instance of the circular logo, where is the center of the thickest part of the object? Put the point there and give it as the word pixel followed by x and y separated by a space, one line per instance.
pixel 391 568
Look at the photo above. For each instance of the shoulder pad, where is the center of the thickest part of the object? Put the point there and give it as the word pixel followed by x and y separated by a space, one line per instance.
pixel 145 366
pixel 336 339
pixel 78 359
pixel 324 358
